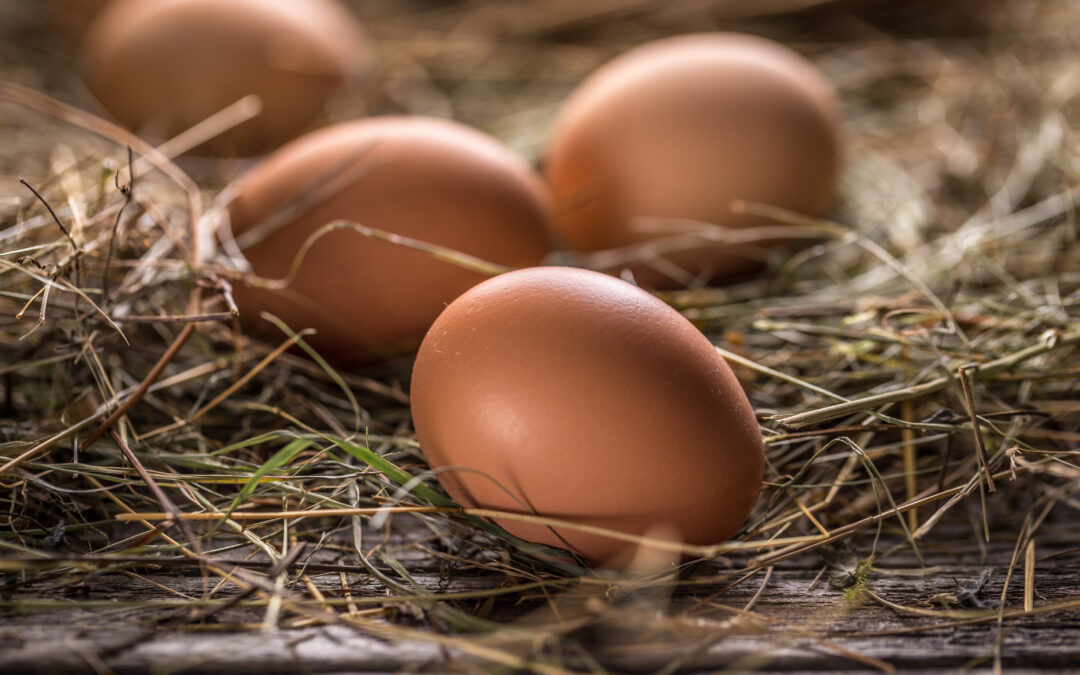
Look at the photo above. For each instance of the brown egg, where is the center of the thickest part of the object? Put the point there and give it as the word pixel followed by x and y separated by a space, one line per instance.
pixel 675 130
pixel 573 395
pixel 428 179
pixel 161 66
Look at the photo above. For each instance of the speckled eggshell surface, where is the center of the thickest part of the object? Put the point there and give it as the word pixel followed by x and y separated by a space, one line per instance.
pixel 677 129
pixel 574 395
pixel 432 180
pixel 161 66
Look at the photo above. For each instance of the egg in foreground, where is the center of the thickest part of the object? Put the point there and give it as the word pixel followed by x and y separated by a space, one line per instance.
pixel 668 134
pixel 573 395
pixel 427 179
pixel 162 66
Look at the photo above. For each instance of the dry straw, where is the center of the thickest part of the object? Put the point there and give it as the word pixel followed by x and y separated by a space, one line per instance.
pixel 920 357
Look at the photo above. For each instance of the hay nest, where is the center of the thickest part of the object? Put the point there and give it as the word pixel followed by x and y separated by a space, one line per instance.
pixel 917 366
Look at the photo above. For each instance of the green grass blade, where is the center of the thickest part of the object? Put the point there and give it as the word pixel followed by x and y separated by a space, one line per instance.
pixel 391 471
pixel 279 459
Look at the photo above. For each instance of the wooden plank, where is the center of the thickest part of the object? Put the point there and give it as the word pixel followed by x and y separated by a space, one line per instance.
pixel 75 640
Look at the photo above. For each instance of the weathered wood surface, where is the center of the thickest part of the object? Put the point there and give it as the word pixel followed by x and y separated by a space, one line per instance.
pixel 117 639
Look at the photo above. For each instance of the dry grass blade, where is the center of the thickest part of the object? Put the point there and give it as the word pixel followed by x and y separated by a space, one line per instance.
pixel 1003 364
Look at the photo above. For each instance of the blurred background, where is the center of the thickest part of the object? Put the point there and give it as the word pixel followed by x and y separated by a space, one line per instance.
pixel 936 95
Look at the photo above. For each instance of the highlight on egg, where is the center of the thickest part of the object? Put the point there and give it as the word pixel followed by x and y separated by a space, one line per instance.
pixel 162 66
pixel 572 395
pixel 662 139
pixel 427 179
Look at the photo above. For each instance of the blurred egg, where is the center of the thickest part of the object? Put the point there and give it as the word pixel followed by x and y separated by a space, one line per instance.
pixel 432 180
pixel 570 394
pixel 161 66
pixel 668 134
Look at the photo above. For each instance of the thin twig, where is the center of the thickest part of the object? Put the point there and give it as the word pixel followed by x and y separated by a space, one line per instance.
pixel 174 514
pixel 129 192
pixel 137 395
pixel 984 461
pixel 56 219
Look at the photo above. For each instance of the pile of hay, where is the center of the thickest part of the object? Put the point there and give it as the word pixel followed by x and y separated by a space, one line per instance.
pixel 917 366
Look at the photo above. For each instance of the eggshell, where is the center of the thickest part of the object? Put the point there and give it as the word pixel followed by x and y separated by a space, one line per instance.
pixel 680 127
pixel 161 66
pixel 428 179
pixel 571 394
